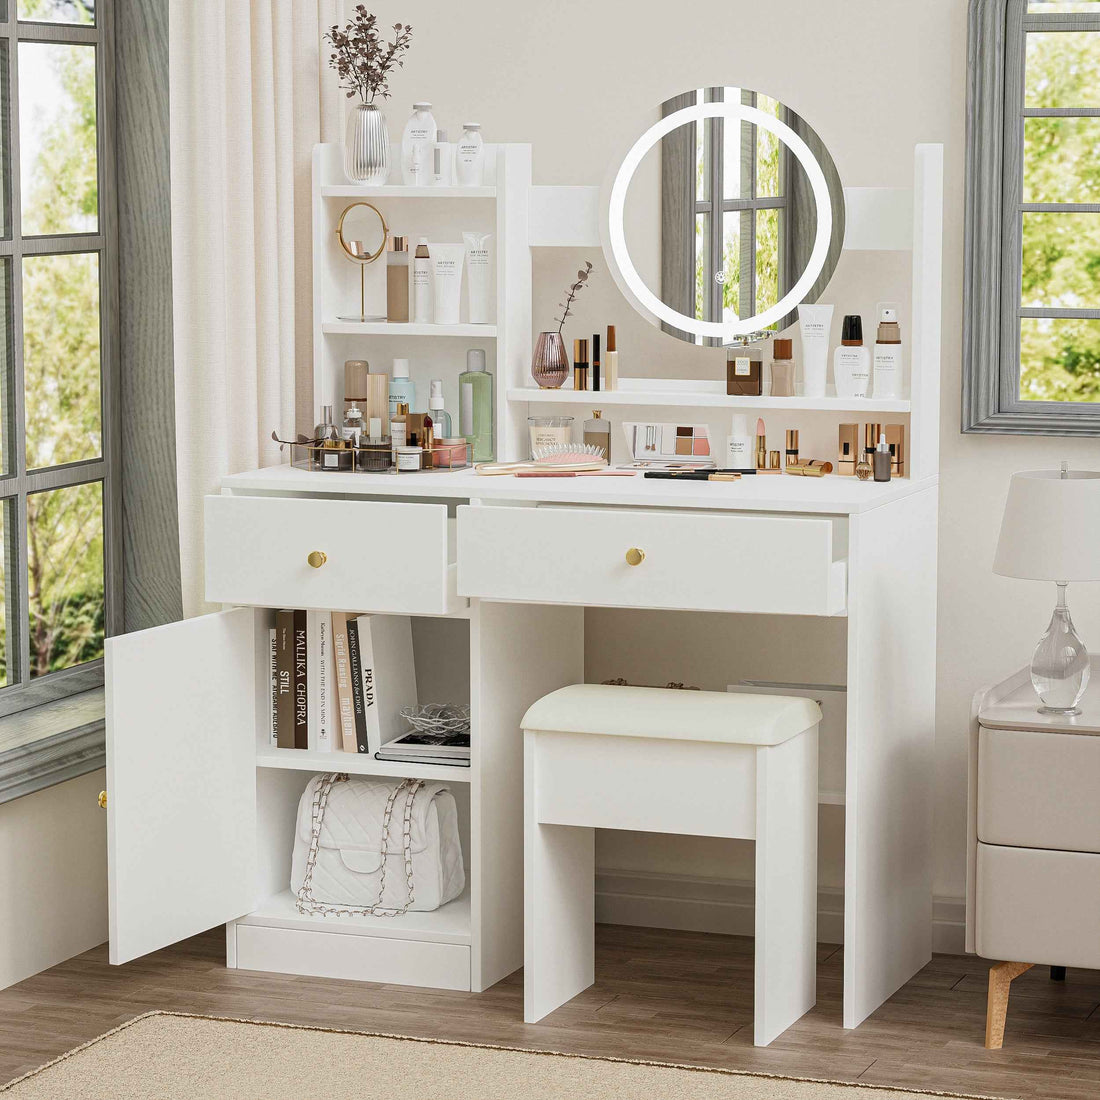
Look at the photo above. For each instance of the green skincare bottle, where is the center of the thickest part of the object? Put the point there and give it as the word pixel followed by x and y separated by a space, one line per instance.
pixel 475 406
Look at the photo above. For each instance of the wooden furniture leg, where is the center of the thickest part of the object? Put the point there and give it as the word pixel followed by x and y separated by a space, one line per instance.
pixel 996 1010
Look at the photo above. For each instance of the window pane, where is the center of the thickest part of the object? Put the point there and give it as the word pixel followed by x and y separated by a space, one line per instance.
pixel 57 137
pixel 1062 69
pixel 65 576
pixel 1062 160
pixel 767 153
pixel 767 259
pixel 1061 261
pixel 702 264
pixel 61 367
pixel 702 174
pixel 731 159
pixel 731 266
pixel 1059 359
pixel 9 639
pixel 58 11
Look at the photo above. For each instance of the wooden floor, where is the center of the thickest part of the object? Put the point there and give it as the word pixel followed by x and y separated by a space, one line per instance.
pixel 668 996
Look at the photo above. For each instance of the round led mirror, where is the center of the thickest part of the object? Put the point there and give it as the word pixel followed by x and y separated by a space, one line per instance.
pixel 724 216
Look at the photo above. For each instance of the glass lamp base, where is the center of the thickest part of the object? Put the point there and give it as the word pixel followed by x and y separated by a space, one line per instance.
pixel 1060 665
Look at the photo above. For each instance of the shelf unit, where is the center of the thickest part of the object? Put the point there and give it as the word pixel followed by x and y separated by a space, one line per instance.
pixel 354 764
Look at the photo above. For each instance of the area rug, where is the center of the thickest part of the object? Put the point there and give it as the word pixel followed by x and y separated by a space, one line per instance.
pixel 171 1056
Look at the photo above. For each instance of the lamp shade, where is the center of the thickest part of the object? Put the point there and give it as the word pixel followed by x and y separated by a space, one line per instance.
pixel 1051 527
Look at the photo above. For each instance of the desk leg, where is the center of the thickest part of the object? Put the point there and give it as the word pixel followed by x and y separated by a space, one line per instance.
pixel 996 1008
pixel 559 904
pixel 786 885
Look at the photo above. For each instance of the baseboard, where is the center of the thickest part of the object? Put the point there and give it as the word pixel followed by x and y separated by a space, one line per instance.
pixel 694 903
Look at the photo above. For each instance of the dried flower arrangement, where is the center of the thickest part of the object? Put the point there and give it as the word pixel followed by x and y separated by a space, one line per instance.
pixel 567 306
pixel 360 57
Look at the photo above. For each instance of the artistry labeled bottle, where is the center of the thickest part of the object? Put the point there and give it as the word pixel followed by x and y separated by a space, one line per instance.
pixel 852 361
pixel 397 280
pixel 740 444
pixel 888 354
pixel 597 433
pixel 416 143
pixel 402 389
pixel 470 156
pixel 475 406
pixel 882 460
pixel 439 414
pixel 422 283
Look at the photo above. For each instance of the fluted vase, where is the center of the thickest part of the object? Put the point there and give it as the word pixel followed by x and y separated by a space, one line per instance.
pixel 550 363
pixel 367 146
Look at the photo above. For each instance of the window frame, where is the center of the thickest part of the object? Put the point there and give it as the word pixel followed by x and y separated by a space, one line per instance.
pixel 993 242
pixel 27 693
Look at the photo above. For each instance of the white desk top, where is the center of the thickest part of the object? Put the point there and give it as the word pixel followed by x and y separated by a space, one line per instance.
pixel 1013 705
pixel 782 493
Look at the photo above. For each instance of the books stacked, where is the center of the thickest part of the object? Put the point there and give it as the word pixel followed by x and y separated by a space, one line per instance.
pixel 339 681
pixel 429 748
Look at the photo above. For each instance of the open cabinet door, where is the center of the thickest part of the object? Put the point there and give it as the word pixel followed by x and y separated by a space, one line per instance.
pixel 181 780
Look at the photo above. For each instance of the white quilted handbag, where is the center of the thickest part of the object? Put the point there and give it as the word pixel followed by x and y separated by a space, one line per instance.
pixel 375 847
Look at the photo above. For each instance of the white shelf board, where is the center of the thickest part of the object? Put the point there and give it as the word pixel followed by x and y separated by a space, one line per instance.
pixel 699 399
pixel 356 764
pixel 399 191
pixel 387 328
pixel 449 923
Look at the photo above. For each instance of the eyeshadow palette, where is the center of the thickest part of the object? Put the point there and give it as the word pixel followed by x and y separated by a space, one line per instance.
pixel 668 444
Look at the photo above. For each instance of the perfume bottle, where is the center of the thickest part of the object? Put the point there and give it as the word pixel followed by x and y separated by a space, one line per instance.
pixel 597 433
pixel 440 416
pixel 475 406
pixel 882 460
pixel 353 430
pixel 398 428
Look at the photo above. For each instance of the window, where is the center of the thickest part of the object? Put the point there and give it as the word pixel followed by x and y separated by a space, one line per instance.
pixel 58 376
pixel 1032 297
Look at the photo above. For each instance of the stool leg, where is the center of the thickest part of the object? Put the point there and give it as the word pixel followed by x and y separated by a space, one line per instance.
pixel 786 885
pixel 559 905
pixel 1057 973
pixel 996 1005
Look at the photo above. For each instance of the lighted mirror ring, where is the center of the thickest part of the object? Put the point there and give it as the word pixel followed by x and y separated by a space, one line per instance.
pixel 354 256
pixel 627 275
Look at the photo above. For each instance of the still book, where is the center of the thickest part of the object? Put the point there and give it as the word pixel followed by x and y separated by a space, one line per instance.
pixel 284 672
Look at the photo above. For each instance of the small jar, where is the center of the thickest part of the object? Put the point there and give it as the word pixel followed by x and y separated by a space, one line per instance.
pixel 375 455
pixel 545 431
pixel 451 453
pixel 409 459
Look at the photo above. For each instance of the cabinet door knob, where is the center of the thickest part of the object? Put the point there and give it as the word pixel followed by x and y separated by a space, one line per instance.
pixel 317 558
pixel 102 800
pixel 634 556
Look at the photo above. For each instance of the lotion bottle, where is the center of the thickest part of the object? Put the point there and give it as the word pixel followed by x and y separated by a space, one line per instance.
pixel 740 444
pixel 422 283
pixel 402 389
pixel 852 361
pixel 888 354
pixel 470 158
pixel 416 143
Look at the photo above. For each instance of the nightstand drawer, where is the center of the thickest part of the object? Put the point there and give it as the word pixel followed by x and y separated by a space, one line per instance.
pixel 344 555
pixel 1037 906
pixel 1039 790
pixel 630 558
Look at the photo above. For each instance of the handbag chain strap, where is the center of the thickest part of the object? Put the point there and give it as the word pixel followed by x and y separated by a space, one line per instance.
pixel 307 903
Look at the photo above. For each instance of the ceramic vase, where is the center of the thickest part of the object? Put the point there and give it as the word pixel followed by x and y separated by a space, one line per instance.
pixel 550 364
pixel 367 146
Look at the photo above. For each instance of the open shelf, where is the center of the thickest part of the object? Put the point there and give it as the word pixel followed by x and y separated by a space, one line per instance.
pixel 356 764
pixel 387 328
pixel 677 396
pixel 449 923
pixel 400 191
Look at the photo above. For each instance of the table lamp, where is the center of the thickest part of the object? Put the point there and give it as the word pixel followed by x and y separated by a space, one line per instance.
pixel 1051 532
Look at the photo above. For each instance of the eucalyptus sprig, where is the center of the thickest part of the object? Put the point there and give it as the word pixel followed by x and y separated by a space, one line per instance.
pixel 362 60
pixel 567 306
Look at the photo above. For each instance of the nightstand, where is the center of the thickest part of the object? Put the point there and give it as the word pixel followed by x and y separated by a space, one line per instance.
pixel 1033 852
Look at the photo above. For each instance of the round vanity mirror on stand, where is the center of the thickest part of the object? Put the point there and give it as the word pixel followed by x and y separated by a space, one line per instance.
pixel 723 217
pixel 362 233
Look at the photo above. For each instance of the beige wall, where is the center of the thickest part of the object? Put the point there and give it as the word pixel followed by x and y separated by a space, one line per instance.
pixel 873 77
pixel 53 864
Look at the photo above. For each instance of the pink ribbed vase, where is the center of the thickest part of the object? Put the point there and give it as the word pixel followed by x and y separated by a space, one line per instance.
pixel 550 363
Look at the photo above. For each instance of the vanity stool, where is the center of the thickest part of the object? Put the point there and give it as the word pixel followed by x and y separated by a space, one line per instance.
pixel 700 763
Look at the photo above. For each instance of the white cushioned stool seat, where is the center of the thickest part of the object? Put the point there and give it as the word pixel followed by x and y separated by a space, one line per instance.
pixel 673 714
pixel 701 763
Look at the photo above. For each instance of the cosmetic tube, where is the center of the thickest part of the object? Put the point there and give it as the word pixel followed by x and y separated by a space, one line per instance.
pixel 447 281
pixel 478 283
pixel 813 323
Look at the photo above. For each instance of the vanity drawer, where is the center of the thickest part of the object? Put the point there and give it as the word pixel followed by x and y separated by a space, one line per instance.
pixel 378 556
pixel 692 560
pixel 1038 906
pixel 325 954
pixel 1039 790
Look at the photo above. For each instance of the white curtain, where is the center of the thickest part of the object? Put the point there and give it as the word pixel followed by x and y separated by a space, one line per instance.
pixel 250 96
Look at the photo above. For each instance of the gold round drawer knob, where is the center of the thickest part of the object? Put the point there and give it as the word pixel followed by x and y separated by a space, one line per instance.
pixel 102 800
pixel 317 558
pixel 634 556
